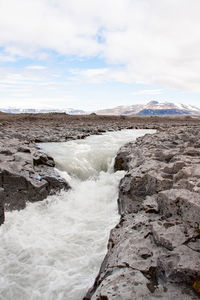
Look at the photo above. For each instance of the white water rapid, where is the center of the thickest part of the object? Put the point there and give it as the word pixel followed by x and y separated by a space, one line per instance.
pixel 52 250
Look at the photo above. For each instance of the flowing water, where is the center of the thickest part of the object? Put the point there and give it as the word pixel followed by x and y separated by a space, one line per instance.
pixel 52 250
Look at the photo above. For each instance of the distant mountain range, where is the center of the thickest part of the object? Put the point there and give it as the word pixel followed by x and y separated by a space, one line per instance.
pixel 70 111
pixel 151 109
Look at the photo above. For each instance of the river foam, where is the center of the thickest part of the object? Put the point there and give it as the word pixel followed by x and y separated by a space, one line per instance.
pixel 52 250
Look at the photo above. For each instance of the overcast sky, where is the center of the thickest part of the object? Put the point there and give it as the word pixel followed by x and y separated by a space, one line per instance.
pixel 93 54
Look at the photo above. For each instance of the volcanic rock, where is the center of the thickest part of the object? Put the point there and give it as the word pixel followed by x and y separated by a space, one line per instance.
pixel 154 251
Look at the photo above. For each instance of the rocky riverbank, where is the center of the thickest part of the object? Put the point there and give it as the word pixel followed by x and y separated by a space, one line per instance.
pixel 27 174
pixel 154 251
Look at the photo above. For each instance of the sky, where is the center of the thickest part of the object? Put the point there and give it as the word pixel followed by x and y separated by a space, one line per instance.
pixel 94 54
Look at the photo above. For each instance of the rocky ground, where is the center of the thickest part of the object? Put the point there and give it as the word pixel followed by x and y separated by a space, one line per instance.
pixel 26 173
pixel 154 251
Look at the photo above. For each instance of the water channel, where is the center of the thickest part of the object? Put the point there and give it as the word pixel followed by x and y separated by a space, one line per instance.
pixel 52 250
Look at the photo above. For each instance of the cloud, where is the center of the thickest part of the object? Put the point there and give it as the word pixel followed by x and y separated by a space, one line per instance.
pixel 21 95
pixel 36 67
pixel 26 82
pixel 6 58
pixel 28 101
pixel 99 75
pixel 150 41
pixel 148 92
pixel 90 75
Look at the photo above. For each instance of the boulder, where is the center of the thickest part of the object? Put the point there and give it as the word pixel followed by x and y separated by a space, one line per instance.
pixel 181 203
pixel 180 265
pixel 168 235
pixel 27 174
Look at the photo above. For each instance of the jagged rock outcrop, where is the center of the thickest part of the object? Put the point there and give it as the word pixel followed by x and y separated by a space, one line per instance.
pixel 154 251
pixel 26 174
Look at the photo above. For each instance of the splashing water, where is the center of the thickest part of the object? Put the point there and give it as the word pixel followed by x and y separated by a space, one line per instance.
pixel 52 250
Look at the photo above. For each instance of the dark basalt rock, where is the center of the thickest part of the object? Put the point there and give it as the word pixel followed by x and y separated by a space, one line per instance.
pixel 18 189
pixel 153 253
pixel 41 158
pixel 26 174
pixel 121 162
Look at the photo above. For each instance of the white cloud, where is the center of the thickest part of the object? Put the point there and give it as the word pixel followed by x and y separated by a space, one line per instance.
pixel 26 83
pixel 27 101
pixel 91 75
pixel 148 92
pixel 6 58
pixel 156 41
pixel 99 75
pixel 36 67
pixel 21 95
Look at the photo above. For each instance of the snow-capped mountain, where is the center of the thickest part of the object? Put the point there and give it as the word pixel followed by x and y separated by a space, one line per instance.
pixel 149 109
pixel 70 111
pixel 152 108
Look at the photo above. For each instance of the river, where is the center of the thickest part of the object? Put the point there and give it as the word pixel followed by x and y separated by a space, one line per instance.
pixel 52 250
